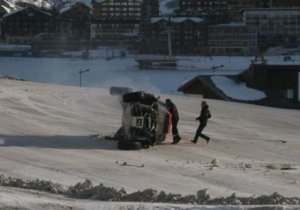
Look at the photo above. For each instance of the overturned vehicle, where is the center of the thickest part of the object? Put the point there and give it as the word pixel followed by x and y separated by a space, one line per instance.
pixel 145 120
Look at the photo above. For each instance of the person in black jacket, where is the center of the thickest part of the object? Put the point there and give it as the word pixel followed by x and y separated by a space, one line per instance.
pixel 175 118
pixel 204 116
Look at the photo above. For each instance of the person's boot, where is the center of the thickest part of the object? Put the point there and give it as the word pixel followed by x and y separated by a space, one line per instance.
pixel 194 141
pixel 176 139
pixel 207 140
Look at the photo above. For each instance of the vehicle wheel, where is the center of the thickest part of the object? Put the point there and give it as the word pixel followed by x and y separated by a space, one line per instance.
pixel 129 145
pixel 145 145
pixel 133 97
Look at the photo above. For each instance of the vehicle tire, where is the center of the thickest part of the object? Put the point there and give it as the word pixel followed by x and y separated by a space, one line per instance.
pixel 145 145
pixel 133 97
pixel 129 145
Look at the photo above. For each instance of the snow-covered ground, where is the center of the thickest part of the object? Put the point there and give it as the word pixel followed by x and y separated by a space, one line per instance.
pixel 45 134
pixel 45 131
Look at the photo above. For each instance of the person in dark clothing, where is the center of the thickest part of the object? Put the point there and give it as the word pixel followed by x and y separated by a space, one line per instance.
pixel 175 118
pixel 204 116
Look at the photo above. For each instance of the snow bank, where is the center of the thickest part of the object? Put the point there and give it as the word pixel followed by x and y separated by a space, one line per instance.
pixel 237 90
pixel 86 190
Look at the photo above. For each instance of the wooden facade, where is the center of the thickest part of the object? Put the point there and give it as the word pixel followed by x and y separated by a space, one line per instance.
pixel 188 35
pixel 79 14
pixel 21 26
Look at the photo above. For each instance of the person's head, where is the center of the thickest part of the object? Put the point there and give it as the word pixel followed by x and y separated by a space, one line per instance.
pixel 203 104
pixel 168 101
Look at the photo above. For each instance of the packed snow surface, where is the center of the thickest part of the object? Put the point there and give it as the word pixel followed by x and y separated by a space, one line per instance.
pixel 46 134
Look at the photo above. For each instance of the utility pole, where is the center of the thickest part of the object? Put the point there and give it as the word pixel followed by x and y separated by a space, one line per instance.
pixel 80 73
pixel 169 37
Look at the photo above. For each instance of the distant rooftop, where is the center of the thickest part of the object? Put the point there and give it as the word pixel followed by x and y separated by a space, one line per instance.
pixel 177 19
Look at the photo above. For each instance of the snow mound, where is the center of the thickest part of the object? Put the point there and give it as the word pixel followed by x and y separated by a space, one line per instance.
pixel 86 190
pixel 237 90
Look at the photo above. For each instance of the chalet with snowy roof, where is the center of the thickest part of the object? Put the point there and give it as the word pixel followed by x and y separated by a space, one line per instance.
pixel 115 21
pixel 188 35
pixel 232 39
pixel 19 27
pixel 5 8
pixel 79 13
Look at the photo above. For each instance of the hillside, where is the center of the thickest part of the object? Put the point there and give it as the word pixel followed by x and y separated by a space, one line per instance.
pixel 6 6
pixel 45 133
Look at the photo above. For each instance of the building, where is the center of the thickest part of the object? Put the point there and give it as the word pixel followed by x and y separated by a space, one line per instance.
pixel 79 14
pixel 21 26
pixel 213 10
pixel 274 26
pixel 116 9
pixel 285 4
pixel 150 8
pixel 263 3
pixel 235 8
pixel 281 81
pixel 63 27
pixel 188 35
pixel 232 39
pixel 115 21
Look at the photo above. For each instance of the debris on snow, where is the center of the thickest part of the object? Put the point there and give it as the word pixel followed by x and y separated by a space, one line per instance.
pixel 215 163
pixel 86 190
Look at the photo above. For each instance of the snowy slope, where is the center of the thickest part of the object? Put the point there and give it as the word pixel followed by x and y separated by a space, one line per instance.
pixel 166 6
pixel 13 5
pixel 44 134
pixel 8 6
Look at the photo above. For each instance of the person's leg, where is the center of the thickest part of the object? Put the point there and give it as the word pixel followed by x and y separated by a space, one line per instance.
pixel 176 137
pixel 203 135
pixel 198 133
